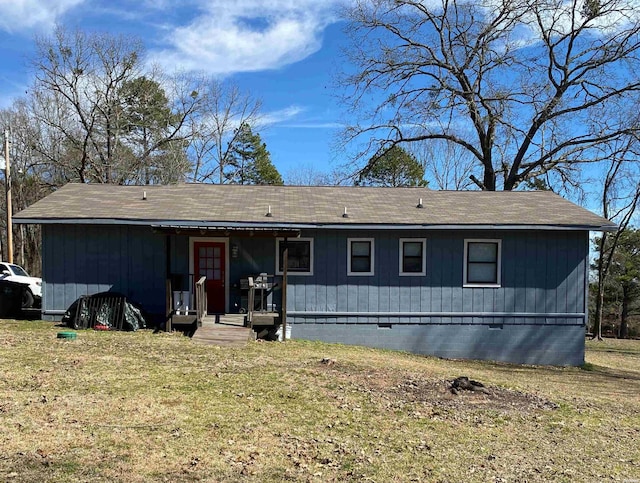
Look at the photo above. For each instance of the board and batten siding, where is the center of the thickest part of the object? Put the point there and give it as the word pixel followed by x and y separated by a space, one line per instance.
pixel 537 315
pixel 87 259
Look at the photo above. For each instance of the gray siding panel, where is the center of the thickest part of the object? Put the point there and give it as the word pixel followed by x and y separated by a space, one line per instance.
pixel 82 260
pixel 541 296
pixel 525 344
pixel 542 272
pixel 541 287
pixel 179 261
pixel 437 295
pixel 562 267
pixel 530 282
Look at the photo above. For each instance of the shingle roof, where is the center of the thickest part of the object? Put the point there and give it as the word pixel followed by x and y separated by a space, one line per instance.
pixel 208 204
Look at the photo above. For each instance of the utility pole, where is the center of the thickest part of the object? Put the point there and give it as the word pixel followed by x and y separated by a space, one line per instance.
pixel 7 178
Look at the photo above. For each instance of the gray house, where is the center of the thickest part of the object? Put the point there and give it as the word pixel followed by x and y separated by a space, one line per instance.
pixel 476 275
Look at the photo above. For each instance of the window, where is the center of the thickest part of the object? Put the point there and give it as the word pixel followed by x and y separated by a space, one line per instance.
pixel 300 259
pixel 360 257
pixel 18 270
pixel 482 263
pixel 210 262
pixel 413 256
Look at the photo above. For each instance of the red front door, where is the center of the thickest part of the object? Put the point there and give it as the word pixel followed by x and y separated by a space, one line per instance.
pixel 209 262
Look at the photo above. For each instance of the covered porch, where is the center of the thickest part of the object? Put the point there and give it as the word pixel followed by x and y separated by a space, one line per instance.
pixel 217 273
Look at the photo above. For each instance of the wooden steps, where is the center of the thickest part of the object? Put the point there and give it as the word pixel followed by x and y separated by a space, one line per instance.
pixel 236 320
pixel 228 332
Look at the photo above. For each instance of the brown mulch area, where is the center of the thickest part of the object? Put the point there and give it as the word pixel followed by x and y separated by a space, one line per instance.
pixel 399 389
pixel 499 399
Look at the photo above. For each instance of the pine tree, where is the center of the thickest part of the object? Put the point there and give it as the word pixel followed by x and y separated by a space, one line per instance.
pixel 394 167
pixel 250 161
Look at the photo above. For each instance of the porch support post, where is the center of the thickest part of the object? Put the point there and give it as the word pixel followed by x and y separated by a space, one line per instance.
pixel 285 265
pixel 168 287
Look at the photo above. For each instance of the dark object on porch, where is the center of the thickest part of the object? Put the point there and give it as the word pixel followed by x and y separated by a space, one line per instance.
pixel 464 383
pixel 189 319
pixel 262 311
pixel 182 313
pixel 243 288
pixel 11 296
pixel 104 311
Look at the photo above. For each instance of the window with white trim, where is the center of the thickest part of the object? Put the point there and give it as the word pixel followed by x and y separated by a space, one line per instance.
pixel 482 263
pixel 360 256
pixel 300 256
pixel 413 256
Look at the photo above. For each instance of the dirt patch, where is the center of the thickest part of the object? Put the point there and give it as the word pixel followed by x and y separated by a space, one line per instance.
pixel 401 388
pixel 437 393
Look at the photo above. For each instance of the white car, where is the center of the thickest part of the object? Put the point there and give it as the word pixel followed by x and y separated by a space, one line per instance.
pixel 15 273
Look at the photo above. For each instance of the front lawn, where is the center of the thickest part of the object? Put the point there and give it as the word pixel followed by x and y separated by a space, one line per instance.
pixel 138 407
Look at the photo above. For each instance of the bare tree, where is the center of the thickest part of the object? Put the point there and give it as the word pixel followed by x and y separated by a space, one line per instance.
pixel 525 87
pixel 620 197
pixel 77 77
pixel 214 130
pixel 83 97
pixel 447 165
pixel 308 175
pixel 27 188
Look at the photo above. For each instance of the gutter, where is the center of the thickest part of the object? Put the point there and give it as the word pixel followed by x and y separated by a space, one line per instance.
pixel 307 226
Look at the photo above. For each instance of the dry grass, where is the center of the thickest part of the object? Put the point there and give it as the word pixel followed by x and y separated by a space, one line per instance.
pixel 155 407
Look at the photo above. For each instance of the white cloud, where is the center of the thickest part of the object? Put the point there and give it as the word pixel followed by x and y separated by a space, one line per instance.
pixel 17 15
pixel 313 125
pixel 280 116
pixel 561 19
pixel 289 118
pixel 248 35
pixel 558 17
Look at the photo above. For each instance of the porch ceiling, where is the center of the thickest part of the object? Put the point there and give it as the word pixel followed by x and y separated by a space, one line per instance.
pixel 219 231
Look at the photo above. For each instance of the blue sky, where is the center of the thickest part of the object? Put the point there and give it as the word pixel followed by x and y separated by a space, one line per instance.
pixel 285 52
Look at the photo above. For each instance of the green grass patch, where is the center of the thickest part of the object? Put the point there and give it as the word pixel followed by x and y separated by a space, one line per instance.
pixel 141 407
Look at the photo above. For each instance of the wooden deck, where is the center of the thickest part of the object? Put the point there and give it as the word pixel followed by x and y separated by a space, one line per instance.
pixel 228 331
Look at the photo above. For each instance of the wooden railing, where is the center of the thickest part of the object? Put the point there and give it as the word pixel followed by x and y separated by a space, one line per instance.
pixel 201 300
pixel 250 302
pixel 260 308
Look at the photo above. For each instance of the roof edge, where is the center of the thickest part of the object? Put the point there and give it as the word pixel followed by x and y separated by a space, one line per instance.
pixel 335 226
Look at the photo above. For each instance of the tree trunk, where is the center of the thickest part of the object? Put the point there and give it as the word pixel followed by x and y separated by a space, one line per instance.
pixel 597 322
pixel 624 316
